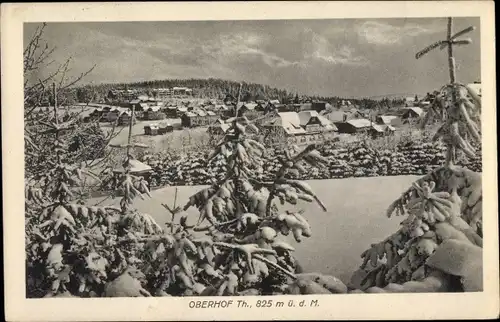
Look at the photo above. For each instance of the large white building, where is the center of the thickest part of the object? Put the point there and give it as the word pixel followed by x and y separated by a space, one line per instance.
pixel 300 128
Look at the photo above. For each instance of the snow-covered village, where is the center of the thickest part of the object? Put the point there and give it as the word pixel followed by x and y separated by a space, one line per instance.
pixel 253 158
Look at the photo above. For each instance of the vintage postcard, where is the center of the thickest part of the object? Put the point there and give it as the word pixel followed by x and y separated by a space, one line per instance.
pixel 249 160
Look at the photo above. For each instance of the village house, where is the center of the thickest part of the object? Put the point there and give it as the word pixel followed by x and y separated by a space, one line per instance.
pixel 153 113
pixel 198 118
pixel 354 126
pixel 181 91
pixel 379 130
pixel 317 127
pixel 284 128
pixel 412 113
pixel 171 112
pixel 97 114
pixel 344 115
pixel 155 128
pixel 163 92
pixel 298 128
pixel 114 114
pixel 125 118
pixel 151 129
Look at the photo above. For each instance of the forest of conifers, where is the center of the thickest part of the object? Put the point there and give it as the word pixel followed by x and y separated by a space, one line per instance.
pixel 219 88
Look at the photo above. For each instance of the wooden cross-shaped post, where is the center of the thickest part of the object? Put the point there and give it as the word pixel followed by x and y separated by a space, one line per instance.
pixel 449 42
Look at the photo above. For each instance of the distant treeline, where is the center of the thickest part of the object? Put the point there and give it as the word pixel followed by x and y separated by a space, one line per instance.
pixel 219 89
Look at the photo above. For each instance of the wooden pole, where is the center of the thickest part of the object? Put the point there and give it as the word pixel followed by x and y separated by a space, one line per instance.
pixel 450 152
pixel 130 131
pixel 451 58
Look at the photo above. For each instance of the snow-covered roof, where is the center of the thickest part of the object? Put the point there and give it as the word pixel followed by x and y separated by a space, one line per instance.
pixel 378 128
pixel 305 116
pixel 360 123
pixel 417 110
pixel 386 119
pixel 290 122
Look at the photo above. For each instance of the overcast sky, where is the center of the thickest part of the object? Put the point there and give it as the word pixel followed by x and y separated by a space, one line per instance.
pixel 344 57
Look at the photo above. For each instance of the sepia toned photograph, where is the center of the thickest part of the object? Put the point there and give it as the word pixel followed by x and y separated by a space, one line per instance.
pixel 165 169
pixel 234 162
